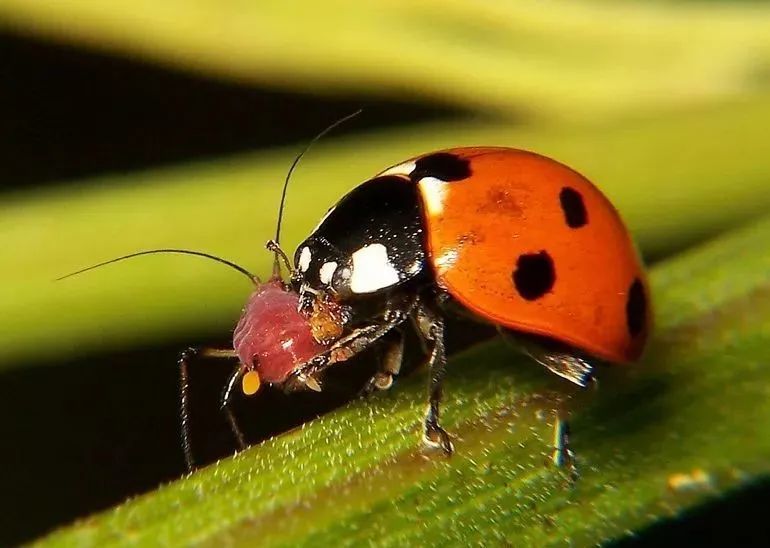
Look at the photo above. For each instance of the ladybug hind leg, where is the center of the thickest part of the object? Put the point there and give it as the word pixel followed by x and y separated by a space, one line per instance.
pixel 563 456
pixel 568 366
pixel 556 359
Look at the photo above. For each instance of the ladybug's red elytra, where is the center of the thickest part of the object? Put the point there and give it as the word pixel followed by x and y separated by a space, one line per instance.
pixel 517 239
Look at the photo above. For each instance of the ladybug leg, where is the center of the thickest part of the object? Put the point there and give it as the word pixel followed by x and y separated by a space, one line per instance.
pixel 348 346
pixel 431 327
pixel 557 360
pixel 570 367
pixel 390 364
pixel 185 358
pixel 563 456
pixel 567 366
pixel 423 343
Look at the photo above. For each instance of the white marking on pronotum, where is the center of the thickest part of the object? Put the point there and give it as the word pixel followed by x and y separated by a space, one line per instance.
pixel 404 169
pixel 433 193
pixel 304 259
pixel 326 272
pixel 372 269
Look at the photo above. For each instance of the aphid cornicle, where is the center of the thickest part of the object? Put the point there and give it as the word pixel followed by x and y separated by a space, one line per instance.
pixel 516 239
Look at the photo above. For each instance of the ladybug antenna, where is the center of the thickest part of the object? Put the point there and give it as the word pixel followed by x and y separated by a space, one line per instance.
pixel 252 278
pixel 275 245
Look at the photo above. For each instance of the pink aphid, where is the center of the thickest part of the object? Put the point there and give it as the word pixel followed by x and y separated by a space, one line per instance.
pixel 272 337
pixel 271 341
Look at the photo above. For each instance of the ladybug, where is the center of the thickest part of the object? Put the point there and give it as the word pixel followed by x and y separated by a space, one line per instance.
pixel 515 239
pixel 510 237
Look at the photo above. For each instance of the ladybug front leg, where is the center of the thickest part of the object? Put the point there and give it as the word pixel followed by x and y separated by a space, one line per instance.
pixel 348 346
pixel 431 327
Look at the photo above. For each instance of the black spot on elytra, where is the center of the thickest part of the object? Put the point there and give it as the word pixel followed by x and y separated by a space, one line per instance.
pixel 534 275
pixel 441 165
pixel 574 209
pixel 636 308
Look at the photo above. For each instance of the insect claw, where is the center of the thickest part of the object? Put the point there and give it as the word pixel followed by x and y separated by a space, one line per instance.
pixel 312 383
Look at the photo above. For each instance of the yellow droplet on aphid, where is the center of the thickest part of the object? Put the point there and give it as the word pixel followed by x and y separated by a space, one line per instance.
pixel 250 383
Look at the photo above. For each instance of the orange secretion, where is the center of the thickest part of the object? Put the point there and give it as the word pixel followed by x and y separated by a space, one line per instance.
pixel 250 383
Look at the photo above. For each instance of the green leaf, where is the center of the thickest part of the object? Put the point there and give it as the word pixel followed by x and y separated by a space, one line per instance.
pixel 676 179
pixel 685 425
pixel 590 60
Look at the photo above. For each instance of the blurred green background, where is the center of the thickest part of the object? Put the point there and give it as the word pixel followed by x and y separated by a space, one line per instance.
pixel 134 125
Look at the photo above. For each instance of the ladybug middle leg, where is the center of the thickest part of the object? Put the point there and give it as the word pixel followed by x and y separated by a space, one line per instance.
pixel 431 327
pixel 390 362
pixel 358 340
pixel 553 356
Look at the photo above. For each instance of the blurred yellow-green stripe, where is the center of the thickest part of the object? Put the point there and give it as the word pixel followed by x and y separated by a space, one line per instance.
pixel 559 58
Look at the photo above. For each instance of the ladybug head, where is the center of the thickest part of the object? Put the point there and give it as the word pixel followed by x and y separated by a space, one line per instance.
pixel 321 271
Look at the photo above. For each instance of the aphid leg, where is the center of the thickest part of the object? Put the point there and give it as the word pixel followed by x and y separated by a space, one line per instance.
pixel 224 405
pixel 348 346
pixel 184 388
pixel 393 356
pixel 431 327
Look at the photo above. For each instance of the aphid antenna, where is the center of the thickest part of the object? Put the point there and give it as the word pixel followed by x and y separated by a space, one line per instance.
pixel 274 245
pixel 252 278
